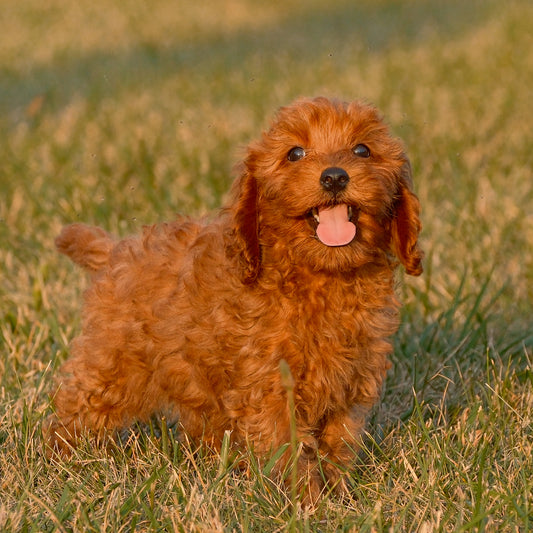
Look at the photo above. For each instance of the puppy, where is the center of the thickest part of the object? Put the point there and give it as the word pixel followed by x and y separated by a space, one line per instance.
pixel 194 318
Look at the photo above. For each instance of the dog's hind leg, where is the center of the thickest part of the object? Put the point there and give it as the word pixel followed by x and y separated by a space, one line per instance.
pixel 98 398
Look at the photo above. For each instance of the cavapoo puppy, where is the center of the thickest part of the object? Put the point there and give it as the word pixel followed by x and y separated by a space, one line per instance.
pixel 193 318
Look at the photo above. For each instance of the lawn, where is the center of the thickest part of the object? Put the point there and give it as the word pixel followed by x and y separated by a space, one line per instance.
pixel 123 112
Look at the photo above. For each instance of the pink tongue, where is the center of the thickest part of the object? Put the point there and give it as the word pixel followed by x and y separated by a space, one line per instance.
pixel 335 229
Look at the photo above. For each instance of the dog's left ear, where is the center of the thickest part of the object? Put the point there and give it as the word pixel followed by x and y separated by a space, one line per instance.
pixel 246 226
pixel 406 225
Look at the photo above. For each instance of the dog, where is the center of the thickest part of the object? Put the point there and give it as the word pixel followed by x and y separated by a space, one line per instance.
pixel 194 318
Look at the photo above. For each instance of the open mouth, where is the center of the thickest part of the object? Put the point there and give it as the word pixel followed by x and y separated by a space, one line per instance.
pixel 334 225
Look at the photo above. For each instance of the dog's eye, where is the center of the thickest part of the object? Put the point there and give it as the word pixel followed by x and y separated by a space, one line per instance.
pixel 296 153
pixel 361 150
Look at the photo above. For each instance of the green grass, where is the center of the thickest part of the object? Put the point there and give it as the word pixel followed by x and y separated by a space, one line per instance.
pixel 122 113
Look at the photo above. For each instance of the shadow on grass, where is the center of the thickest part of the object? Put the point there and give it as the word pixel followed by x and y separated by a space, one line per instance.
pixel 442 361
pixel 301 36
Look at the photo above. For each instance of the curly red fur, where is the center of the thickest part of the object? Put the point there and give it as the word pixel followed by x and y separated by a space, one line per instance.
pixel 193 318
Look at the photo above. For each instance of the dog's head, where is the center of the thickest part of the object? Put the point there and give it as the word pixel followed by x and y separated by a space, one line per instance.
pixel 327 186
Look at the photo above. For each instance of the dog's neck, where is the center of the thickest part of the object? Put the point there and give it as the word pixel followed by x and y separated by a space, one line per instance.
pixel 302 282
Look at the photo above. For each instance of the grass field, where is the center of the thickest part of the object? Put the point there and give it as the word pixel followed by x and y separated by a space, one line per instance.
pixel 124 112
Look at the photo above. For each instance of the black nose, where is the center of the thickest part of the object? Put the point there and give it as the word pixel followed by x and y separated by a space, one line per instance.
pixel 334 179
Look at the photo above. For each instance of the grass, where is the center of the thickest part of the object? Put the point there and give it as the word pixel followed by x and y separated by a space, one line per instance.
pixel 122 113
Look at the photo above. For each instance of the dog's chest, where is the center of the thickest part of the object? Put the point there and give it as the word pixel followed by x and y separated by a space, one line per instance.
pixel 337 339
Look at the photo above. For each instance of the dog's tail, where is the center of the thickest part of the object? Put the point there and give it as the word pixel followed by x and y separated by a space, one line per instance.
pixel 88 246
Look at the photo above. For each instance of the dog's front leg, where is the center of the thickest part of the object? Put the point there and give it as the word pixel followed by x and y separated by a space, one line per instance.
pixel 338 445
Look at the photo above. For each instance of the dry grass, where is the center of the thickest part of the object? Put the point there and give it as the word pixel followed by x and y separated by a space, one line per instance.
pixel 120 114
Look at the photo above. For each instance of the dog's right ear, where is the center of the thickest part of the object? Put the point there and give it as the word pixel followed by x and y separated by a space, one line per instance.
pixel 246 225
